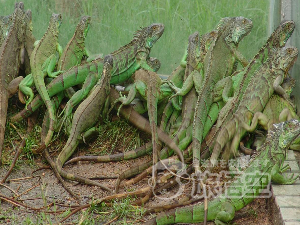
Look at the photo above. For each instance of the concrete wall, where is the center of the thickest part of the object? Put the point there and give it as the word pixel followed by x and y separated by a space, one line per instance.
pixel 288 10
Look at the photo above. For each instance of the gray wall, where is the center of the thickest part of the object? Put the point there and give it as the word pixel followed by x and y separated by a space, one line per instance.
pixel 288 10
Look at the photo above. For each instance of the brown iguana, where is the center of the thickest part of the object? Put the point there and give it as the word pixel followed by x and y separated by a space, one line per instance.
pixel 85 116
pixel 267 81
pixel 11 55
pixel 5 23
pixel 29 41
pixel 149 85
pixel 241 79
pixel 43 61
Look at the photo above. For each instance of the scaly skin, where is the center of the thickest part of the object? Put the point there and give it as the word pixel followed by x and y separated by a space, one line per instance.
pixel 135 53
pixel 140 122
pixel 127 60
pixel 42 62
pixel 75 50
pixel 29 41
pixel 277 110
pixel 241 80
pixel 72 77
pixel 267 80
pixel 85 118
pixel 196 51
pixel 150 87
pixel 218 64
pixel 266 167
pixel 10 61
pixel 5 24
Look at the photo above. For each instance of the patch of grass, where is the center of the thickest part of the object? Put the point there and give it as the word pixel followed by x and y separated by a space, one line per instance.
pixel 116 136
pixel 121 210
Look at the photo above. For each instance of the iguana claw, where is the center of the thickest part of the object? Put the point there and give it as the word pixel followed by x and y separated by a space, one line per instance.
pixel 118 113
pixel 284 168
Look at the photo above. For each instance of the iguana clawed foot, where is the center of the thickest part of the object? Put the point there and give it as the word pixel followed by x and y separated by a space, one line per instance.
pixel 284 168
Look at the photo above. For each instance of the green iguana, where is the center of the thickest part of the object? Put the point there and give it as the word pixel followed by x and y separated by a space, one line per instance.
pixel 267 166
pixel 261 87
pixel 197 48
pixel 277 110
pixel 85 117
pixel 11 55
pixel 136 54
pixel 42 62
pixel 72 77
pixel 241 79
pixel 75 51
pixel 127 60
pixel 218 64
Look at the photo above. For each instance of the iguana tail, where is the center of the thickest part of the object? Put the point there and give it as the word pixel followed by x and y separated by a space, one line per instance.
pixel 188 215
pixel 224 136
pixel 140 122
pixel 3 114
pixel 141 151
pixel 42 90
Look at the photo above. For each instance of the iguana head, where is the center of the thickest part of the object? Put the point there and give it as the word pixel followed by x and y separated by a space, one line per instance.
pixel 154 63
pixel 147 36
pixel 287 132
pixel 108 62
pixel 193 50
pixel 283 33
pixel 55 22
pixel 284 58
pixel 28 20
pixel 18 18
pixel 5 22
pixel 84 25
pixel 234 28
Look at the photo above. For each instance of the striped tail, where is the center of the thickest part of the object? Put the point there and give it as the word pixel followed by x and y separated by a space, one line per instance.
pixel 3 114
pixel 42 90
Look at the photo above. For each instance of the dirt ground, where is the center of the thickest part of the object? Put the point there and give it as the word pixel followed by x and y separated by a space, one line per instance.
pixel 47 202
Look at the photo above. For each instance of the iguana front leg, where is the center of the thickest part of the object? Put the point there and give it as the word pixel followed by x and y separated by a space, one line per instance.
pixel 25 89
pixel 126 100
pixel 49 66
pixel 279 178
